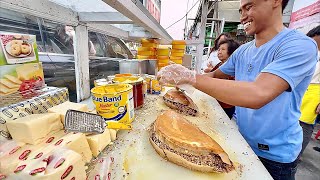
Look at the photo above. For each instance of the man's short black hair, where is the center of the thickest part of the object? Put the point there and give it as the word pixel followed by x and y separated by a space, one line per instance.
pixel 314 32
pixel 284 4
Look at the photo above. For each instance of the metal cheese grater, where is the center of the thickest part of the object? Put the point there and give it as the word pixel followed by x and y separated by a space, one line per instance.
pixel 78 121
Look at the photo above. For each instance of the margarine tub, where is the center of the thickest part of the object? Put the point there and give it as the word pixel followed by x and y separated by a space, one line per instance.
pixel 137 86
pixel 114 102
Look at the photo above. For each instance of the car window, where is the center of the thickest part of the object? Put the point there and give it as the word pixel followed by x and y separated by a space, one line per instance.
pixel 57 38
pixel 95 45
pixel 118 48
pixel 11 21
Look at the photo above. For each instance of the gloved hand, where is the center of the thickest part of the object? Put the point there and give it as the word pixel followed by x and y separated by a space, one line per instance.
pixel 176 74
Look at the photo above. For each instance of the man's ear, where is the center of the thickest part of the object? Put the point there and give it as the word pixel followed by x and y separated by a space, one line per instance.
pixel 276 3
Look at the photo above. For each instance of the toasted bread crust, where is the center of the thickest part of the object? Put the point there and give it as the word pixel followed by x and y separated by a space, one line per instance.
pixel 177 100
pixel 179 141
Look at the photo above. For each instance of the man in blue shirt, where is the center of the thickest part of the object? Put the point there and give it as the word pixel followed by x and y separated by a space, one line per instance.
pixel 271 75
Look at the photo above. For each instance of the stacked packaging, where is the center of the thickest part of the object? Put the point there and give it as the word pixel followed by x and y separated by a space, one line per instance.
pixel 163 57
pixel 177 52
pixel 148 49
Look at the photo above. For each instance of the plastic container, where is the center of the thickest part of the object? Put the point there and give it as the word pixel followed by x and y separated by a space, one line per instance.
pixel 163 52
pixel 177 51
pixel 178 54
pixel 163 59
pixel 114 102
pixel 146 53
pixel 146 57
pixel 178 46
pixel 179 42
pixel 148 44
pixel 146 49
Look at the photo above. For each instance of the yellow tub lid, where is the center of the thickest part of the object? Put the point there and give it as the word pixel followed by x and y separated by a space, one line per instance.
pixel 111 89
pixel 178 42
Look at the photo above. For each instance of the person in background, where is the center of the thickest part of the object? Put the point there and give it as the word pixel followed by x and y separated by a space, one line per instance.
pixel 310 105
pixel 63 41
pixel 225 49
pixel 213 59
pixel 272 73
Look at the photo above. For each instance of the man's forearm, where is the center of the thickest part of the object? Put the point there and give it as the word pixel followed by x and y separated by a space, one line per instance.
pixel 244 94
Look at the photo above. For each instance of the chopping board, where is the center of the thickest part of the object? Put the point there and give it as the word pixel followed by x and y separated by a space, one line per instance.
pixel 135 158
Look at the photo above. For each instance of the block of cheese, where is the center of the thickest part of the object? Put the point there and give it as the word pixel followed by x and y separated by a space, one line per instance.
pixel 9 83
pixel 78 143
pixel 34 128
pixel 10 160
pixel 28 71
pixel 13 79
pixel 60 164
pixel 74 141
pixel 7 146
pixel 64 107
pixel 113 134
pixel 98 142
pixel 5 90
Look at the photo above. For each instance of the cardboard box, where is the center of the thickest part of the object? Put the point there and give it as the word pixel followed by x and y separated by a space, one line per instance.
pixel 18 49
pixel 20 77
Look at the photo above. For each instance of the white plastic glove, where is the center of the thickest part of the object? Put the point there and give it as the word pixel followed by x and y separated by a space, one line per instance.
pixel 176 74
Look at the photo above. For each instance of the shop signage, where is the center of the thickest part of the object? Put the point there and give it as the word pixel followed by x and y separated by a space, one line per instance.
pixel 154 7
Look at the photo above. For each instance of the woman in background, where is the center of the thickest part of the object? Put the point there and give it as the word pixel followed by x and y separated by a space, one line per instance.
pixel 213 59
pixel 225 49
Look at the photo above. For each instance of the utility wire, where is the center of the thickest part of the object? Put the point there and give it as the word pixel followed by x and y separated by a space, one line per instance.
pixel 184 15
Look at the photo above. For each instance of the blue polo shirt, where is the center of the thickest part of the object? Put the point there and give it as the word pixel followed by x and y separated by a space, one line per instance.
pixel 273 131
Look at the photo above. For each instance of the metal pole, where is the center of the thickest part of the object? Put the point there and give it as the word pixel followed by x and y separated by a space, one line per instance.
pixel 186 22
pixel 205 4
pixel 81 56
pixel 211 34
pixel 222 25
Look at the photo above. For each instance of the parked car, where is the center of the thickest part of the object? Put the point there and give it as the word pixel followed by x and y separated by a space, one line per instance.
pixel 56 49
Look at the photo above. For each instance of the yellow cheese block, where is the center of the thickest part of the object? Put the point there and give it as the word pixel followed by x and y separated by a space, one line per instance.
pixel 113 134
pixel 28 71
pixel 5 90
pixel 78 143
pixel 72 167
pixel 64 107
pixel 15 155
pixel 9 84
pixel 98 142
pixel 13 79
pixel 73 141
pixel 34 128
pixel 7 146
pixel 60 164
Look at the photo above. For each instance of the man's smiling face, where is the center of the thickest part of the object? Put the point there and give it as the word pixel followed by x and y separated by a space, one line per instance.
pixel 255 15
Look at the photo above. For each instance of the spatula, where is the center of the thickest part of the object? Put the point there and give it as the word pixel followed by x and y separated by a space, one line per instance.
pixel 78 121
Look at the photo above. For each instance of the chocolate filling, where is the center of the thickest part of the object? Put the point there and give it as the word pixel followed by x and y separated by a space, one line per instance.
pixel 211 160
pixel 184 109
